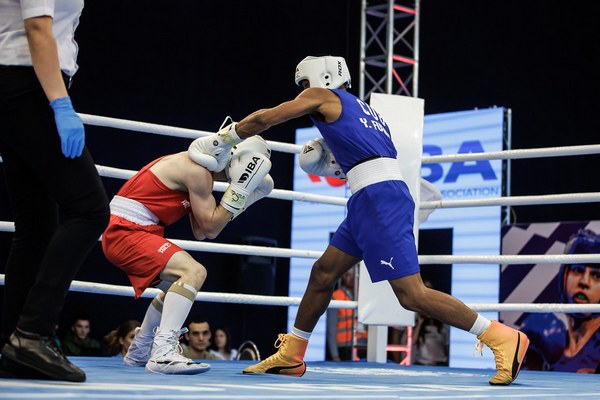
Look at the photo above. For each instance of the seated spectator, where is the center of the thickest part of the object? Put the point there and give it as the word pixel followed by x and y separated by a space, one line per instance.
pixel 222 344
pixel 198 340
pixel 77 341
pixel 118 340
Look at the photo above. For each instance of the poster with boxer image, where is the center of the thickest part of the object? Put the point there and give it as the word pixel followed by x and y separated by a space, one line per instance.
pixel 559 342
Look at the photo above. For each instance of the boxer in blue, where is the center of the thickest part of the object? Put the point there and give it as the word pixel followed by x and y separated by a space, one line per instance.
pixel 379 225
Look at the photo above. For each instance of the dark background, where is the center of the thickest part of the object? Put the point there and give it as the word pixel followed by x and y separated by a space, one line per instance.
pixel 189 63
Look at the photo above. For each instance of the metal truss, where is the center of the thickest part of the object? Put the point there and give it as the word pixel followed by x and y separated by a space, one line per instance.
pixel 389 54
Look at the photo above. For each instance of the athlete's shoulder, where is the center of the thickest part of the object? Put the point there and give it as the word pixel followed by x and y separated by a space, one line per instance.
pixel 317 93
pixel 179 172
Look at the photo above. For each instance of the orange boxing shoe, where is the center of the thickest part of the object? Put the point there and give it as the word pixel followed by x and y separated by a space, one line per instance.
pixel 509 347
pixel 287 361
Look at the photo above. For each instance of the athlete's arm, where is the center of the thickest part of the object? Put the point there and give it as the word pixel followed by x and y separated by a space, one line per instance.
pixel 208 218
pixel 310 101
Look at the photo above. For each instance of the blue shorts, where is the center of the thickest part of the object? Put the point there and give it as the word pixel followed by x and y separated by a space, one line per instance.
pixel 379 230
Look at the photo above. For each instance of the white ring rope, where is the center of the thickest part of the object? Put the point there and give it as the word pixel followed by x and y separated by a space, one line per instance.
pixel 208 247
pixel 99 288
pixel 568 198
pixel 516 154
pixel 166 130
pixel 294 148
pixel 111 172
pixel 238 298
pixel 211 297
pixel 571 198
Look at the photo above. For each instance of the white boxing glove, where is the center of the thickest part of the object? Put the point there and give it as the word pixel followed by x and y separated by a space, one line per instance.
pixel 212 152
pixel 263 190
pixel 317 159
pixel 248 165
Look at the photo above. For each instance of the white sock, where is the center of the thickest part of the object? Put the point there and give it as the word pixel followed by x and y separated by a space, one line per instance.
pixel 152 317
pixel 480 325
pixel 301 334
pixel 178 303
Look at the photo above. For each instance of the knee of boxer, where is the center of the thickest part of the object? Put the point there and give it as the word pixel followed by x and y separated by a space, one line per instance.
pixel 408 302
pixel 322 276
pixel 193 273
pixel 408 298
pixel 198 274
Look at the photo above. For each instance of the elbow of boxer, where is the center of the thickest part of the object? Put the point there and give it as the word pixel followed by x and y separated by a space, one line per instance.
pixel 198 234
pixel 211 235
pixel 211 232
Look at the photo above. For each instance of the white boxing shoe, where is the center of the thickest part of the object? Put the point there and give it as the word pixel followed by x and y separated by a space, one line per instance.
pixel 166 356
pixel 138 353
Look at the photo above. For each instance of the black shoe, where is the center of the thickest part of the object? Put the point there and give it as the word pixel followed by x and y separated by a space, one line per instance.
pixel 11 370
pixel 41 354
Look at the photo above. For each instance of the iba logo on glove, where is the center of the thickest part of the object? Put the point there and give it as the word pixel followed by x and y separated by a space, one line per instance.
pixel 307 149
pixel 249 169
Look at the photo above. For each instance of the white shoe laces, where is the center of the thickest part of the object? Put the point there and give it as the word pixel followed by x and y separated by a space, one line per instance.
pixel 478 348
pixel 171 349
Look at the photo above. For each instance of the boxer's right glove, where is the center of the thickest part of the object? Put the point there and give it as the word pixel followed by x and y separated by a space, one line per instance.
pixel 69 126
pixel 212 152
pixel 248 166
pixel 316 159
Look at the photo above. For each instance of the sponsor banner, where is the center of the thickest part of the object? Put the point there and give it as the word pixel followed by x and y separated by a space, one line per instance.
pixel 559 342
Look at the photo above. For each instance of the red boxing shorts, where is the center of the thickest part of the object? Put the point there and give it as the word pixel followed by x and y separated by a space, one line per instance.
pixel 141 251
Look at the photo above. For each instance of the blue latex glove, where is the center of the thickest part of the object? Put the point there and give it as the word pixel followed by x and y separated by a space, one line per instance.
pixel 69 126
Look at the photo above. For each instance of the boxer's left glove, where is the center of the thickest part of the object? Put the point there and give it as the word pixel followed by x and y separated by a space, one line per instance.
pixel 212 152
pixel 316 159
pixel 248 166
pixel 69 126
pixel 263 190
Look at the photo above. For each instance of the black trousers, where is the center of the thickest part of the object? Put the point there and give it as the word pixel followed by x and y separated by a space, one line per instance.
pixel 60 207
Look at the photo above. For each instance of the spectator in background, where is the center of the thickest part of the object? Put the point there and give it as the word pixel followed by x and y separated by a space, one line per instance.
pixel 77 341
pixel 431 340
pixel 342 322
pixel 222 344
pixel 118 340
pixel 198 340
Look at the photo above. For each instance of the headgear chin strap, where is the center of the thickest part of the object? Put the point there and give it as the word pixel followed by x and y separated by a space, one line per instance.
pixel 327 72
pixel 584 241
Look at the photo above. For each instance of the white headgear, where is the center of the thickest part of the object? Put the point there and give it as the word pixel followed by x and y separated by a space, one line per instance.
pixel 325 72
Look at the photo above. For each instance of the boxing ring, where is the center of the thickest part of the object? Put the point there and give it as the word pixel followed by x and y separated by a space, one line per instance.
pixel 107 378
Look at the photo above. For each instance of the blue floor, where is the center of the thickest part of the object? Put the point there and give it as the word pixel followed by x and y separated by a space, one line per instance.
pixel 107 378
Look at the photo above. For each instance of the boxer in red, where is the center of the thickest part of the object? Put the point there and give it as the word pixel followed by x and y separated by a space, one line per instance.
pixel 161 193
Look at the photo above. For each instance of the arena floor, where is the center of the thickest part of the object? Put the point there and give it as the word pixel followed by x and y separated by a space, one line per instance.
pixel 108 379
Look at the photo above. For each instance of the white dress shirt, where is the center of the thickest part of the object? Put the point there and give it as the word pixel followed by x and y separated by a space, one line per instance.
pixel 14 49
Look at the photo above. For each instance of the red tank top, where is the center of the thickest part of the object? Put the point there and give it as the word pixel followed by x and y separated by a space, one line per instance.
pixel 167 204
